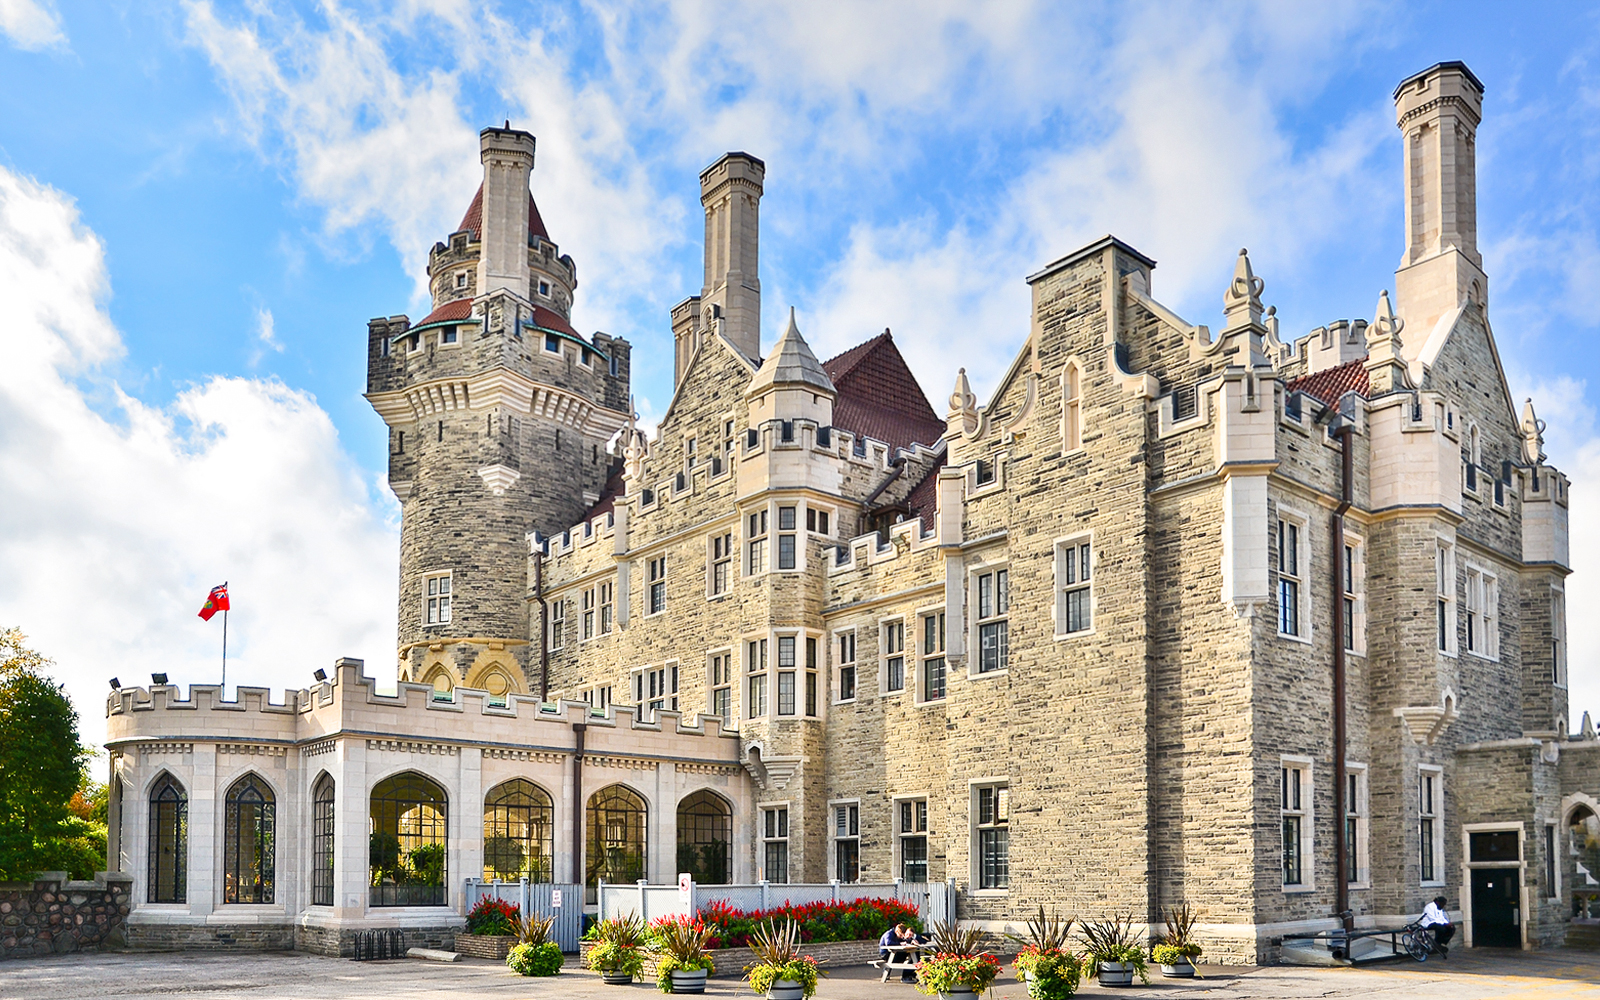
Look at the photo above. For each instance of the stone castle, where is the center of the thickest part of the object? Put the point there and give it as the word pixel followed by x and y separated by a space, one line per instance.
pixel 1269 624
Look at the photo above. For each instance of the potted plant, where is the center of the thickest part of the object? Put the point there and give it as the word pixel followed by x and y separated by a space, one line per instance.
pixel 683 964
pixel 1048 934
pixel 1178 949
pixel 535 954
pixel 780 971
pixel 618 954
pixel 1111 952
pixel 1055 976
pixel 957 970
pixel 491 929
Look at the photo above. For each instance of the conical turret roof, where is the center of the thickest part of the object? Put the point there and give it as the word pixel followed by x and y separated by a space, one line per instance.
pixel 791 363
pixel 473 220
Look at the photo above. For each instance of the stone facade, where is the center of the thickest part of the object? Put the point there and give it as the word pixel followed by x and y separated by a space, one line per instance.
pixel 1077 646
pixel 55 915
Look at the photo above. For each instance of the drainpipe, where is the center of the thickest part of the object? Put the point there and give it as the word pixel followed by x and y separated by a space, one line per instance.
pixel 1343 431
pixel 577 806
pixel 544 621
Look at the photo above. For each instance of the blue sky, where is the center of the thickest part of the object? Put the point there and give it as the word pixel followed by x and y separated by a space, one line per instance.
pixel 201 204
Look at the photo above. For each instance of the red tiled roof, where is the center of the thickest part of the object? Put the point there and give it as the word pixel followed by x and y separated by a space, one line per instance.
pixel 459 309
pixel 552 320
pixel 615 485
pixel 878 397
pixel 1331 384
pixel 923 500
pixel 474 218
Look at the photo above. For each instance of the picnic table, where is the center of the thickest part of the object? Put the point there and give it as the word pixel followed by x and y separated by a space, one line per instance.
pixel 902 958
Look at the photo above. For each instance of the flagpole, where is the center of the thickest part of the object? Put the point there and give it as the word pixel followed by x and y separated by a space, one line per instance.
pixel 225 649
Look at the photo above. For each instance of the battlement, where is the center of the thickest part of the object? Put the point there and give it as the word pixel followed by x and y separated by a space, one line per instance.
pixel 349 702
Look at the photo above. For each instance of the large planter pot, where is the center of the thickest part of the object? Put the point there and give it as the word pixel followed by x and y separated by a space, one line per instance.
pixel 959 993
pixel 616 978
pixel 1116 974
pixel 689 981
pixel 1183 970
pixel 492 946
pixel 785 989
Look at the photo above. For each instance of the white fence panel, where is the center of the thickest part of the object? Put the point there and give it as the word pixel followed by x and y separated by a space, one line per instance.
pixel 537 898
pixel 932 900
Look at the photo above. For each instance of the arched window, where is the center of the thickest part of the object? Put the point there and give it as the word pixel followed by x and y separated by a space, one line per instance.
pixel 406 843
pixel 705 835
pixel 322 842
pixel 169 842
pixel 1071 409
pixel 616 836
pixel 247 846
pixel 518 832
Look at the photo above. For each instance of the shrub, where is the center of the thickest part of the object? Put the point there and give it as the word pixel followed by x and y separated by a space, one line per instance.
pixel 945 972
pixel 612 957
pixel 1169 954
pixel 493 916
pixel 858 920
pixel 1055 976
pixel 536 959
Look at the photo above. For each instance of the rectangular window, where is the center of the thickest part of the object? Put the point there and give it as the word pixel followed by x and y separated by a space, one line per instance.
pixel 1444 579
pixel 1551 883
pixel 588 613
pixel 599 699
pixel 657 583
pixel 1355 824
pixel 817 521
pixel 775 844
pixel 811 677
pixel 913 833
pixel 756 666
pixel 552 343
pixel 437 607
pixel 1483 613
pixel 786 542
pixel 756 532
pixel 847 666
pixel 847 843
pixel 721 562
pixel 1558 637
pixel 1355 605
pixel 727 437
pixel 894 656
pixel 1074 608
pixel 1293 811
pixel 786 679
pixel 1430 828
pixel 933 656
pixel 558 623
pixel 993 833
pixel 656 688
pixel 1289 578
pixel 722 687
pixel 608 592
pixel 994 601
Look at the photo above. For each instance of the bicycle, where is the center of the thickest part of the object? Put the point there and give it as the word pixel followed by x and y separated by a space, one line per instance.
pixel 1417 940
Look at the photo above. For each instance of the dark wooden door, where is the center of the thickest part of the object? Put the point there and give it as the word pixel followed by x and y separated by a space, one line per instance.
pixel 1496 902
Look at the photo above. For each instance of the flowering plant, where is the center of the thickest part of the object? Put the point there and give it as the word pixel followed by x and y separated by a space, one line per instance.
pixel 857 920
pixel 777 948
pixel 945 973
pixel 1055 975
pixel 681 942
pixel 493 916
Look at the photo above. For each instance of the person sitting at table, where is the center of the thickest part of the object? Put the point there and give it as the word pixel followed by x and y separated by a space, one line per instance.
pixel 889 949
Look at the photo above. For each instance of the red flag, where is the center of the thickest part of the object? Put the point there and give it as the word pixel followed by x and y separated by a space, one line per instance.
pixel 217 601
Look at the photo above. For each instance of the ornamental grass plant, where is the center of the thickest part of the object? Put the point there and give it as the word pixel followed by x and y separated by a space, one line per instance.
pixel 957 963
pixel 778 958
pixel 681 943
pixel 619 946
pixel 1112 941
pixel 1179 939
pixel 1048 934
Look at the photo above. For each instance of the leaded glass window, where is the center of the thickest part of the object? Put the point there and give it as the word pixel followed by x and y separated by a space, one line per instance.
pixel 169 842
pixel 247 845
pixel 518 832
pixel 705 838
pixel 406 845
pixel 322 843
pixel 616 836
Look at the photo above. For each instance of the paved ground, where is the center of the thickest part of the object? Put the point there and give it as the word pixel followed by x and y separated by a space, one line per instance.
pixel 1477 975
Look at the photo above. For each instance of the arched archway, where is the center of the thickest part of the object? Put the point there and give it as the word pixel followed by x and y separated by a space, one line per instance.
pixel 168 878
pixel 616 836
pixel 406 842
pixel 443 681
pixel 248 841
pixel 1581 840
pixel 705 837
pixel 518 832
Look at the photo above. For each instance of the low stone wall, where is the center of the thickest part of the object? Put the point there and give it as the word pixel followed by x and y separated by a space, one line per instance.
pixel 491 946
pixel 53 915
pixel 732 961
pixel 210 937
pixel 340 942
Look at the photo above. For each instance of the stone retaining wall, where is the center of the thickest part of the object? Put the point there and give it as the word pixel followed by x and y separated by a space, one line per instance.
pixel 340 942
pixel 731 961
pixel 53 915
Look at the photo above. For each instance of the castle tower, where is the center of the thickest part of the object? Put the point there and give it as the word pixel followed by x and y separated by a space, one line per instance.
pixel 499 413
pixel 1438 111
pixel 730 192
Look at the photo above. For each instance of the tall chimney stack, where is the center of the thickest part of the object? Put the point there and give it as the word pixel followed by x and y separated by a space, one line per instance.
pixel 1438 111
pixel 730 191
pixel 507 155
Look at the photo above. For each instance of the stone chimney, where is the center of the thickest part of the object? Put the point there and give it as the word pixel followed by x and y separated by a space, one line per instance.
pixel 730 191
pixel 1438 111
pixel 507 155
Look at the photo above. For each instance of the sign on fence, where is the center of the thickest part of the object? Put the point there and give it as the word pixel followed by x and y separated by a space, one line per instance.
pixel 540 898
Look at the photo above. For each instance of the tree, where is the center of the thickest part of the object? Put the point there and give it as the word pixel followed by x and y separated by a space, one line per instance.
pixel 41 769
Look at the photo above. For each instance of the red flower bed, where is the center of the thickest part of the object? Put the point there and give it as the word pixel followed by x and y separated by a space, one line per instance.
pixel 858 920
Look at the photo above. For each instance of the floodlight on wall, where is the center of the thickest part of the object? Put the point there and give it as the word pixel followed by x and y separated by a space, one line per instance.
pixel 321 674
pixel 116 685
pixel 158 679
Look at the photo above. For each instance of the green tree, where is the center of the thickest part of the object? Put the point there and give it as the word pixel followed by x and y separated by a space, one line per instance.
pixel 41 769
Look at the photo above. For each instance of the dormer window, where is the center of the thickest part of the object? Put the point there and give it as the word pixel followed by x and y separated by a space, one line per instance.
pixel 544 288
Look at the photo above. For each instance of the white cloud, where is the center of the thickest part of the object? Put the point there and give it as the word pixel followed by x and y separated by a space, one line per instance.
pixel 117 517
pixel 265 335
pixel 31 25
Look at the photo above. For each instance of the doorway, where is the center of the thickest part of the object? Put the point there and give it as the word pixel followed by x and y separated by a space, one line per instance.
pixel 1496 908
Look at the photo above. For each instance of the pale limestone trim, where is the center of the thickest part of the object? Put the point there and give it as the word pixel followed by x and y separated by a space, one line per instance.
pixel 1468 867
pixel 1308 823
pixel 1064 548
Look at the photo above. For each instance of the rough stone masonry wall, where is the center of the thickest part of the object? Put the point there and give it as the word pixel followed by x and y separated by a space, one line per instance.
pixel 52 915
